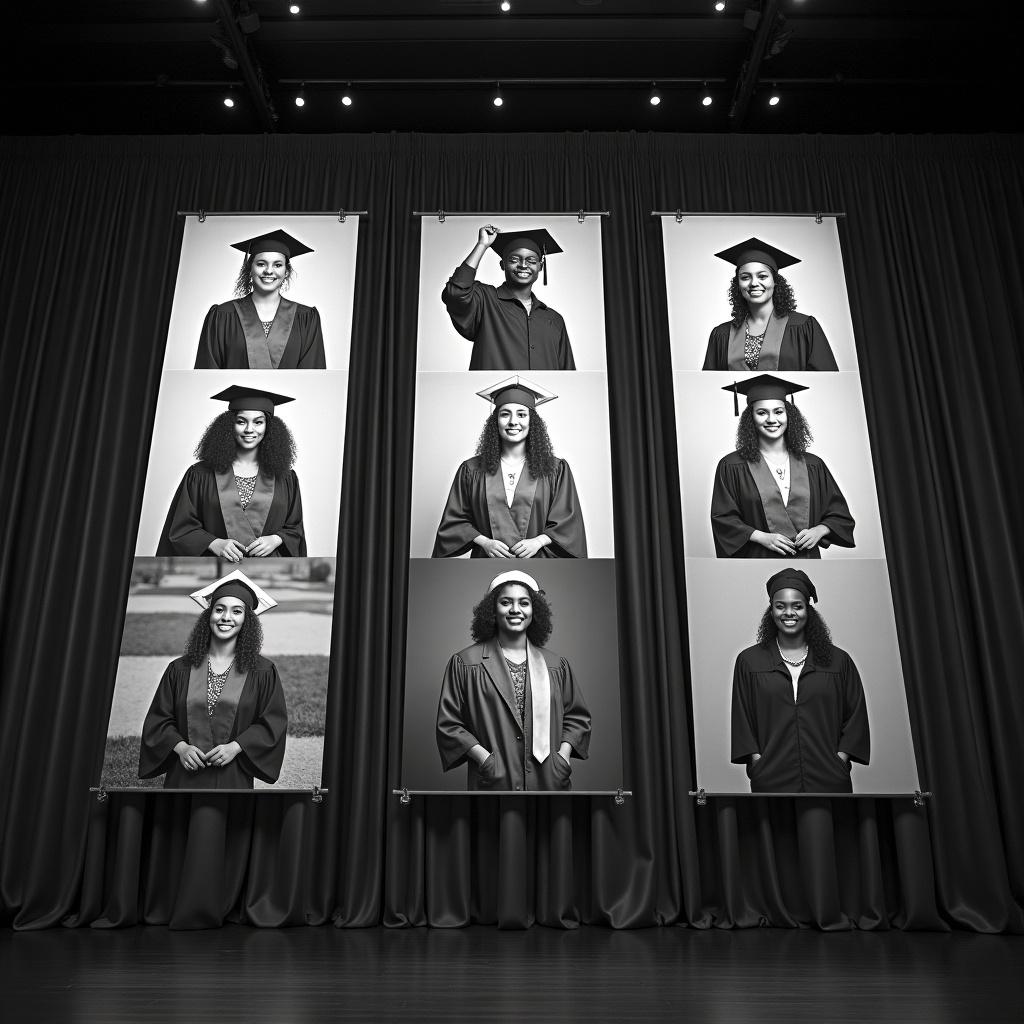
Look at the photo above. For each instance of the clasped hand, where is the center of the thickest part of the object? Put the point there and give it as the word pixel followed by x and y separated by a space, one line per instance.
pixel 193 759
pixel 234 551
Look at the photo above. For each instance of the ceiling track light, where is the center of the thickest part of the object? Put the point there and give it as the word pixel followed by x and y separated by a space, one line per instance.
pixel 655 97
pixel 300 96
pixel 229 101
pixel 774 98
pixel 295 9
pixel 505 6
pixel 497 99
pixel 720 6
pixel 706 99
pixel 346 96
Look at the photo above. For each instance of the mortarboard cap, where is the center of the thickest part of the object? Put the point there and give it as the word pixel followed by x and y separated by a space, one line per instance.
pixel 753 250
pixel 762 387
pixel 513 576
pixel 517 389
pixel 239 397
pixel 235 584
pixel 538 240
pixel 795 579
pixel 273 241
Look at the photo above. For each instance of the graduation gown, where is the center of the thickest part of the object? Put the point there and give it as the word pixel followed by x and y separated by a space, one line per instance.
pixel 251 710
pixel 476 505
pixel 798 740
pixel 478 705
pixel 737 509
pixel 232 338
pixel 803 346
pixel 504 335
pixel 206 502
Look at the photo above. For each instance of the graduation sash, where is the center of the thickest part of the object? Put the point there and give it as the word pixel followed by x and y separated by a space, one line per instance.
pixel 265 351
pixel 790 518
pixel 768 359
pixel 205 731
pixel 509 524
pixel 245 525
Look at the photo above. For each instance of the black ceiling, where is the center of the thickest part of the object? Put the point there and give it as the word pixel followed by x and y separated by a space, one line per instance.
pixel 157 66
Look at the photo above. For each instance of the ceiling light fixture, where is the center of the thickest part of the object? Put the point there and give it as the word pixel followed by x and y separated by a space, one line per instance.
pixel 346 96
pixel 505 6
pixel 295 9
pixel 655 98
pixel 228 102
pixel 773 99
pixel 720 6
pixel 706 99
pixel 300 97
pixel 497 99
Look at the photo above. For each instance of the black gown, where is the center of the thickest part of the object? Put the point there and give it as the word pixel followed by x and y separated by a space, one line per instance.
pixel 737 510
pixel 232 338
pixel 804 347
pixel 253 713
pixel 476 505
pixel 798 740
pixel 206 501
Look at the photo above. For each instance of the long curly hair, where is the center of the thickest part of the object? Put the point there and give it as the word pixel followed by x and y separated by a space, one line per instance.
pixel 540 456
pixel 485 617
pixel 243 283
pixel 783 297
pixel 276 453
pixel 816 634
pixel 248 643
pixel 798 434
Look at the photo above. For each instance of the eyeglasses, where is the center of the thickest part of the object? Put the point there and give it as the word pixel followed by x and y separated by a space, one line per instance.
pixel 521 261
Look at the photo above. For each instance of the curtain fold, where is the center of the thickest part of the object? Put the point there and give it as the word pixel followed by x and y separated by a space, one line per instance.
pixel 933 267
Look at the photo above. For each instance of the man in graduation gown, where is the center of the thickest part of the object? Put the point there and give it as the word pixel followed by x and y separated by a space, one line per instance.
pixel 798 739
pixel 509 326
pixel 251 710
pixel 206 506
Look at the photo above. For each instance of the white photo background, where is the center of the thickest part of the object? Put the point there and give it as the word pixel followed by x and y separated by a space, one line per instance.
pixel 697 281
pixel 316 419
pixel 208 268
pixel 449 419
pixel 442 594
pixel 575 288
pixel 296 637
pixel 726 600
pixel 706 431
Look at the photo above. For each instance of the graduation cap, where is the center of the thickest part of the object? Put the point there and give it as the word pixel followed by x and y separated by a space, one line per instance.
pixel 763 387
pixel 239 397
pixel 753 250
pixel 537 240
pixel 517 389
pixel 273 241
pixel 235 584
pixel 513 576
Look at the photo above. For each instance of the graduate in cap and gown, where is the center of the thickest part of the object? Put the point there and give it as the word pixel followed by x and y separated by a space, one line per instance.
pixel 515 498
pixel 511 710
pixel 260 329
pixel 799 716
pixel 766 332
pixel 509 326
pixel 218 718
pixel 241 499
pixel 772 498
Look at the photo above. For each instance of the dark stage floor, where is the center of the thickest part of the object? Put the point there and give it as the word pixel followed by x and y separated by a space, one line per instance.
pixel 594 975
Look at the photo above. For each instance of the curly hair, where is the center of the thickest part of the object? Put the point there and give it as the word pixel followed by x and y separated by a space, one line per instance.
pixel 243 283
pixel 783 297
pixel 485 617
pixel 816 634
pixel 798 434
pixel 216 447
pixel 248 643
pixel 540 456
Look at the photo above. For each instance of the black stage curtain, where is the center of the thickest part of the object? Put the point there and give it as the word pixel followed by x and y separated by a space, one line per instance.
pixel 934 266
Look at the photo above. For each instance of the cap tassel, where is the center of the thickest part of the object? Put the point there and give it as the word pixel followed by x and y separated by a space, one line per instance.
pixel 735 400
pixel 544 264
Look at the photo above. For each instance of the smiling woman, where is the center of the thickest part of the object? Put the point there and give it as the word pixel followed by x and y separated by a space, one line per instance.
pixel 511 710
pixel 260 329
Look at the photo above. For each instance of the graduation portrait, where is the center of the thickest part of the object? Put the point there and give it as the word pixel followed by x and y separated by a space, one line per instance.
pixel 512 466
pixel 757 293
pixel 222 676
pixel 775 467
pixel 800 690
pixel 511 681
pixel 519 293
pixel 259 292
pixel 245 465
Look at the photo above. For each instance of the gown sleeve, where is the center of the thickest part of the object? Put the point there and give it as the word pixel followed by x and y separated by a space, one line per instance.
pixel 564 349
pixel 832 509
pixel 730 531
pixel 744 715
pixel 311 356
pixel 185 529
pixel 717 355
pixel 564 519
pixel 458 524
pixel 210 354
pixel 816 353
pixel 855 736
pixel 454 740
pixel 160 732
pixel 291 531
pixel 576 722
pixel 263 739
pixel 463 302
